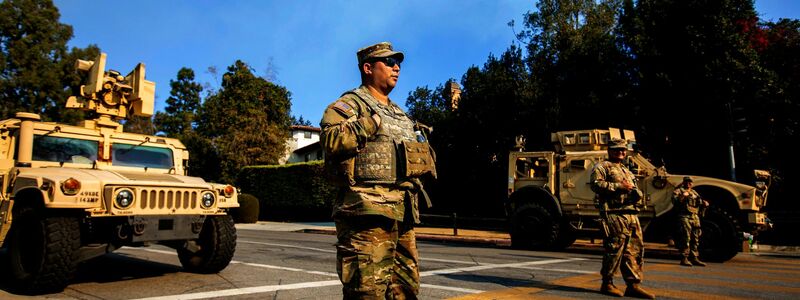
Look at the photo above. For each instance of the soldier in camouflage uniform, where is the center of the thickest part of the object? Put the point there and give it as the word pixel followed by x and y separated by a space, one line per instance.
pixel 373 153
pixel 619 200
pixel 688 204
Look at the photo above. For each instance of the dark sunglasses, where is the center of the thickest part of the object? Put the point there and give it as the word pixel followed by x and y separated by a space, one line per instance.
pixel 388 61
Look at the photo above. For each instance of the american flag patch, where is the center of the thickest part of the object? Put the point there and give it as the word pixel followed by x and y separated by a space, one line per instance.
pixel 343 108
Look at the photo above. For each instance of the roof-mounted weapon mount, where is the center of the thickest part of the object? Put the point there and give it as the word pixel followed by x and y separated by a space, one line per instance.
pixel 112 96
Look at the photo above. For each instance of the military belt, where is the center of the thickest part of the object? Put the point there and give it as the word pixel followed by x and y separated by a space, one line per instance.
pixel 623 212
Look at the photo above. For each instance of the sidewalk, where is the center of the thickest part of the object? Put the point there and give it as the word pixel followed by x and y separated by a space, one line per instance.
pixel 499 239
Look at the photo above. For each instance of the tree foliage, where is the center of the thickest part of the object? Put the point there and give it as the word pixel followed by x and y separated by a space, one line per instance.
pixel 691 78
pixel 36 68
pixel 300 121
pixel 182 105
pixel 138 124
pixel 246 122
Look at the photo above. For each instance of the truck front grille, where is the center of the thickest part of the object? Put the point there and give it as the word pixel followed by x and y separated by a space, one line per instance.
pixel 168 199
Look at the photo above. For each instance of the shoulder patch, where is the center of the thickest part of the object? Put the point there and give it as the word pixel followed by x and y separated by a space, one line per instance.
pixel 343 108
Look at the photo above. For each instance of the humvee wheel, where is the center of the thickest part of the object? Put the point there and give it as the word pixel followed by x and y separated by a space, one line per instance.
pixel 213 250
pixel 719 241
pixel 42 251
pixel 533 227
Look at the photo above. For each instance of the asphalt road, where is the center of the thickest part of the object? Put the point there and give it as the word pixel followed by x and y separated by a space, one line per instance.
pixel 290 265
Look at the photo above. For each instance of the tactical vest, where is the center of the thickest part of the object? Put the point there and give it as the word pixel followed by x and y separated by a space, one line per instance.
pixel 621 200
pixel 393 152
pixel 692 203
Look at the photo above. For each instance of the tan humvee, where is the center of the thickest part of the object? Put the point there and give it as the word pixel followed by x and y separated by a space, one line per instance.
pixel 551 202
pixel 71 193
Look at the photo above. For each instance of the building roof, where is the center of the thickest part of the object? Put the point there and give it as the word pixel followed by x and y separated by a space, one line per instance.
pixel 306 128
pixel 308 148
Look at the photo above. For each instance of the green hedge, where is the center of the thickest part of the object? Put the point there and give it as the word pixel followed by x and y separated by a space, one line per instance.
pixel 248 211
pixel 289 192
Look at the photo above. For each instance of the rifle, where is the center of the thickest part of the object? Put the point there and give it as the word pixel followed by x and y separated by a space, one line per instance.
pixel 603 222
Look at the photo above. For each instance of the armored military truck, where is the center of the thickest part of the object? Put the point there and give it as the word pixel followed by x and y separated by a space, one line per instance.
pixel 550 202
pixel 71 193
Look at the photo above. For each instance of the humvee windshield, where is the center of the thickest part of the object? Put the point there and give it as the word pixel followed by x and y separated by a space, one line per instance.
pixel 60 149
pixel 126 155
pixel 78 151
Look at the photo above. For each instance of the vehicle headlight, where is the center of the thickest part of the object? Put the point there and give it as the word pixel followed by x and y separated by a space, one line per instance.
pixel 207 200
pixel 124 198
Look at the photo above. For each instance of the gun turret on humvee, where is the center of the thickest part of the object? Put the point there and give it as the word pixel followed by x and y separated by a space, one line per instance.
pixel 71 193
pixel 550 202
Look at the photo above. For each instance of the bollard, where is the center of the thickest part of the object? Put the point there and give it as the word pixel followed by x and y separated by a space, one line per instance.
pixel 455 224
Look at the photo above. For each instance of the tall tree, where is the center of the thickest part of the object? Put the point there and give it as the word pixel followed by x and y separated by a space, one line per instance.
pixel 300 121
pixel 35 66
pixel 775 122
pixel 695 68
pixel 579 67
pixel 142 125
pixel 428 106
pixel 247 121
pixel 183 103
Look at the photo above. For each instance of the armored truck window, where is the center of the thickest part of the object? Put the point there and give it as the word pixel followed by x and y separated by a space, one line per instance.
pixel 126 155
pixel 578 164
pixel 583 138
pixel 60 149
pixel 569 139
pixel 604 138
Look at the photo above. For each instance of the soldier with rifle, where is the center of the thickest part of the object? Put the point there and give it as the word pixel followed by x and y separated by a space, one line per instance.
pixel 689 206
pixel 619 200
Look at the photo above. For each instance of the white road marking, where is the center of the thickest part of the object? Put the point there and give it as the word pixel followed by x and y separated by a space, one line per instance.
pixel 272 288
pixel 496 266
pixel 423 259
pixel 558 270
pixel 287 246
pixel 450 288
pixel 286 268
pixel 245 291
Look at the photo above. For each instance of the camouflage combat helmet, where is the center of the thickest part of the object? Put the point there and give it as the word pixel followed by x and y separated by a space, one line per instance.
pixel 618 144
pixel 379 50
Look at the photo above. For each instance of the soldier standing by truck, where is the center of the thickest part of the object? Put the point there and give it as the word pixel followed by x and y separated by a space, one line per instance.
pixel 619 200
pixel 376 157
pixel 689 206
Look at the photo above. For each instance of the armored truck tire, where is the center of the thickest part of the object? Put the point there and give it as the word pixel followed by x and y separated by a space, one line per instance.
pixel 566 236
pixel 41 251
pixel 719 241
pixel 533 227
pixel 213 250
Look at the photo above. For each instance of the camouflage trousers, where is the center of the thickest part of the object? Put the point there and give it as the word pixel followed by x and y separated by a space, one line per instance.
pixel 624 248
pixel 689 235
pixel 377 258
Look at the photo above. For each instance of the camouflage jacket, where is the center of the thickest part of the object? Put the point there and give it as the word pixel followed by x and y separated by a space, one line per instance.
pixel 606 181
pixel 347 127
pixel 686 201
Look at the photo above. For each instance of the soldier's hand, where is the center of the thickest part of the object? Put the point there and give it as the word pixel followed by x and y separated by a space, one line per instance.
pixel 627 185
pixel 686 194
pixel 377 119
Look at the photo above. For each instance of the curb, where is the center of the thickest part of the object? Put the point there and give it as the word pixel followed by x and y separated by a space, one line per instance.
pixel 433 237
pixel 577 247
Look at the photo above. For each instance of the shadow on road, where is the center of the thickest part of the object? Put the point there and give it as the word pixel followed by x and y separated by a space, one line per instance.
pixel 112 267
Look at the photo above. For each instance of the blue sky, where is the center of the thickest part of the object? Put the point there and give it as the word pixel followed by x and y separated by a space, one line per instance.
pixel 309 44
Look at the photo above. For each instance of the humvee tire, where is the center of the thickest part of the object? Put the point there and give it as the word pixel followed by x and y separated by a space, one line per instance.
pixel 215 247
pixel 719 241
pixel 42 251
pixel 533 227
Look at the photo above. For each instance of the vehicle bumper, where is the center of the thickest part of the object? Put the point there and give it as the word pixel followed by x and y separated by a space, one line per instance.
pixel 759 221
